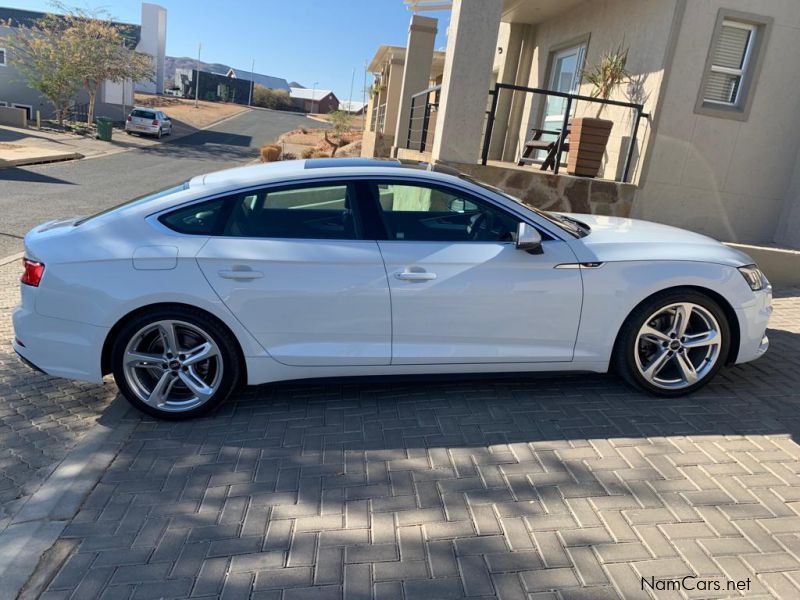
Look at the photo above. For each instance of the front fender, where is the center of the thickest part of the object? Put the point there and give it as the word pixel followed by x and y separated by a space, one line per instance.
pixel 613 290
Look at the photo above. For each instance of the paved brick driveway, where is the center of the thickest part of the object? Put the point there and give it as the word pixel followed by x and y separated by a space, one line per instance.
pixel 544 488
pixel 41 418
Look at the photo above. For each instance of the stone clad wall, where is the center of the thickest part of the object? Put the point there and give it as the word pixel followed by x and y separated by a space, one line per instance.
pixel 557 192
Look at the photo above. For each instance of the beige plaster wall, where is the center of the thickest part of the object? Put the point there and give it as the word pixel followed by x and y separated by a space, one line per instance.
pixel 727 178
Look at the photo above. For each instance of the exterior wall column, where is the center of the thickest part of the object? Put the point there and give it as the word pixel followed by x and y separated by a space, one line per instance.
pixel 471 46
pixel 507 74
pixel 417 73
pixel 394 86
pixel 518 100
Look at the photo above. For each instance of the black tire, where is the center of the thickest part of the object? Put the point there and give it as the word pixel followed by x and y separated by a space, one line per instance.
pixel 227 344
pixel 624 358
pixel 158 135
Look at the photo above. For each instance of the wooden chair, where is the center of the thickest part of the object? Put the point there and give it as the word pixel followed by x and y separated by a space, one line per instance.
pixel 535 142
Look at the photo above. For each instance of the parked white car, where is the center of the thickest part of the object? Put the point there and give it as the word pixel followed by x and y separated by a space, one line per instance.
pixel 149 121
pixel 346 267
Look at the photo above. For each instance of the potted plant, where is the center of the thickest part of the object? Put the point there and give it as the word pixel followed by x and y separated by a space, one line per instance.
pixel 588 136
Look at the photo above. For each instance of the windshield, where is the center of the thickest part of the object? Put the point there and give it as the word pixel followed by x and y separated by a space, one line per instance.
pixel 139 200
pixel 563 222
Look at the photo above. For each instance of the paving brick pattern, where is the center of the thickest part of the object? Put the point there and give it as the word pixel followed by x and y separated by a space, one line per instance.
pixel 41 417
pixel 544 488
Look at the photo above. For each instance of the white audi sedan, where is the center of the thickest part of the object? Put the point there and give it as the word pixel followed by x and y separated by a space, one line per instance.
pixel 349 267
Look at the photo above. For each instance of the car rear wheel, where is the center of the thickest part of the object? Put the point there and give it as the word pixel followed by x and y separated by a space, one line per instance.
pixel 674 343
pixel 175 364
pixel 158 135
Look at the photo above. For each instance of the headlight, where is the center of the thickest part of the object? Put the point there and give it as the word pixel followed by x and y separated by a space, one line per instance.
pixel 754 277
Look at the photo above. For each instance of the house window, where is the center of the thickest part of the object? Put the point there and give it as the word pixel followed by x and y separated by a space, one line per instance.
pixel 729 62
pixel 734 58
pixel 2 57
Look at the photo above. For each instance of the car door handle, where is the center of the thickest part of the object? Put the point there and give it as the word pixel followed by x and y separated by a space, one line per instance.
pixel 240 275
pixel 415 276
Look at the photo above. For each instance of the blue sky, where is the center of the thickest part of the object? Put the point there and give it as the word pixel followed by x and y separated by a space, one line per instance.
pixel 301 40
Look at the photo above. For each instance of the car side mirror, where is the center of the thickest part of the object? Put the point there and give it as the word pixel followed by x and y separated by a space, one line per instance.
pixel 528 239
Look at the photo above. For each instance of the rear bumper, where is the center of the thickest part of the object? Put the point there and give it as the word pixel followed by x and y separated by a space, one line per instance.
pixel 149 129
pixel 753 321
pixel 59 347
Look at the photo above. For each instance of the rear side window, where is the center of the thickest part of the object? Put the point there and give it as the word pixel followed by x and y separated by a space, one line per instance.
pixel 203 218
pixel 318 212
pixel 311 212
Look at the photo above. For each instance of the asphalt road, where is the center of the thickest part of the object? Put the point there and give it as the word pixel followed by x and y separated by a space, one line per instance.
pixel 32 195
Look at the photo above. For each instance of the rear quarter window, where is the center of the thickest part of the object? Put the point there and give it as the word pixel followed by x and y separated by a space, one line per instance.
pixel 203 218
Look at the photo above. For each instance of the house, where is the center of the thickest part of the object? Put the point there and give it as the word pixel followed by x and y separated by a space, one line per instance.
pixel 214 87
pixel 267 81
pixel 705 134
pixel 352 106
pixel 389 97
pixel 314 100
pixel 114 98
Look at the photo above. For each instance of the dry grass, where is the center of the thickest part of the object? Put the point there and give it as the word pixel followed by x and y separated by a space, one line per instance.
pixel 354 122
pixel 183 110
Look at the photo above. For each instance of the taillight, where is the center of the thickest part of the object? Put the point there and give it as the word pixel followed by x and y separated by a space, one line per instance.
pixel 33 272
pixel 130 118
pixel 155 121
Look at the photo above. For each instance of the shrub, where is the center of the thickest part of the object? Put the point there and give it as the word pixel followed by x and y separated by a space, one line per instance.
pixel 274 99
pixel 340 121
pixel 270 153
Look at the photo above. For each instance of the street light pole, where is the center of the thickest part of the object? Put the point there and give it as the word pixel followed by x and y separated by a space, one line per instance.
pixel 252 83
pixel 313 95
pixel 197 83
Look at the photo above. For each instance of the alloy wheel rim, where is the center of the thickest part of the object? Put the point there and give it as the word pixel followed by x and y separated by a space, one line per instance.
pixel 678 346
pixel 173 366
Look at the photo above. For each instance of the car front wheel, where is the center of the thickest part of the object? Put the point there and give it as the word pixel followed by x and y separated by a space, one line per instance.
pixel 175 364
pixel 674 343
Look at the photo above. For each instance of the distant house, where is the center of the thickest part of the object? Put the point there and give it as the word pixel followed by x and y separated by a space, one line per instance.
pixel 113 97
pixel 268 81
pixel 352 106
pixel 314 101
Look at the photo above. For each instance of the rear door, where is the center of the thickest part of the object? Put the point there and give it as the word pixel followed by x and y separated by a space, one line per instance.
pixel 292 265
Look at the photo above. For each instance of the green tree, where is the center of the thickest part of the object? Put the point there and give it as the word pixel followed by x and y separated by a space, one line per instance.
pixel 100 51
pixel 41 53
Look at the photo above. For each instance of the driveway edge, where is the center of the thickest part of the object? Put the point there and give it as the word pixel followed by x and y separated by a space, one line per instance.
pixel 43 518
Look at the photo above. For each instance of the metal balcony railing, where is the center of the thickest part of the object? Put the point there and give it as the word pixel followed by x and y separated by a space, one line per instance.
pixel 424 106
pixel 378 120
pixel 569 103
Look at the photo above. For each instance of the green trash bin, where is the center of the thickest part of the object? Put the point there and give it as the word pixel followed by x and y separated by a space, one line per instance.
pixel 104 128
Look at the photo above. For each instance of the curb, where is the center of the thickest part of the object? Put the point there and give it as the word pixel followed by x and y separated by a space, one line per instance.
pixel 43 518
pixel 39 160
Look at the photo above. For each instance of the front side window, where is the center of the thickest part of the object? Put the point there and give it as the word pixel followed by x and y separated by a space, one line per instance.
pixel 416 212
pixel 731 68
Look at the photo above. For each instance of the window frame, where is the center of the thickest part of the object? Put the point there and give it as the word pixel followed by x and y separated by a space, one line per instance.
pixel 382 232
pixel 230 197
pixel 760 28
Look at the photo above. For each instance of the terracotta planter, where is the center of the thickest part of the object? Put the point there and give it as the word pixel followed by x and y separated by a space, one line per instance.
pixel 587 144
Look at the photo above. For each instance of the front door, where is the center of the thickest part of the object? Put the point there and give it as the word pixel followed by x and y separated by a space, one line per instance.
pixel 292 266
pixel 461 291
pixel 565 76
